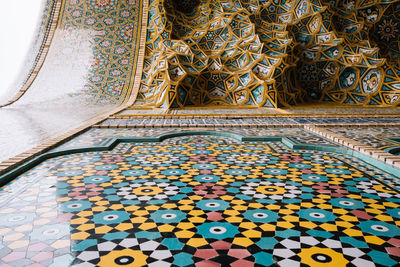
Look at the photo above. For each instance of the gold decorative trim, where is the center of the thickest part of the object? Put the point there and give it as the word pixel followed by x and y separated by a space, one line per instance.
pixel 140 58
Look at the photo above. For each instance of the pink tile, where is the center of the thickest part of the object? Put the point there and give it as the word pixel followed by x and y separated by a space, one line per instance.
pixel 80 197
pixel 221 245
pixel 35 265
pixel 242 263
pixel 42 256
pixel 92 193
pixel 13 256
pixel 393 251
pixel 361 214
pixel 214 216
pixel 207 263
pixel 206 253
pixel 395 242
pixel 239 253
pixel 37 247
pixel 65 217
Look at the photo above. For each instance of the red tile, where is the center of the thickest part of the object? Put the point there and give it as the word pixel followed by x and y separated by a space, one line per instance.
pixel 393 251
pixel 239 253
pixel 206 253
pixel 221 245
pixel 242 263
pixel 395 242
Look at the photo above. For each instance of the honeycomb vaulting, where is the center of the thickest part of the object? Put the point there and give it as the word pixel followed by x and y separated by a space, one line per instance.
pixel 270 53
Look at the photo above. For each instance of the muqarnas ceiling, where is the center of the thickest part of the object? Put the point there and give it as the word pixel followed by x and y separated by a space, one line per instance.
pixel 271 53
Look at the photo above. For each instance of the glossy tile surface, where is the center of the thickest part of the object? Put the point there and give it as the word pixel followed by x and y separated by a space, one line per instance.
pixel 385 138
pixel 87 71
pixel 203 200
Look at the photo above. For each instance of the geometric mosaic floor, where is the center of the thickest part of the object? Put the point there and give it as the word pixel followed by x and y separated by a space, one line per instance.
pixel 201 201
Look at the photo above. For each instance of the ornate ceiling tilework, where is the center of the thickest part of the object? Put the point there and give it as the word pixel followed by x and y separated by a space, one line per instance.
pixel 267 53
pixel 113 31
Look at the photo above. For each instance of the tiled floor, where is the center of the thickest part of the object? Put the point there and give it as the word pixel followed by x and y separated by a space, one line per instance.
pixel 204 201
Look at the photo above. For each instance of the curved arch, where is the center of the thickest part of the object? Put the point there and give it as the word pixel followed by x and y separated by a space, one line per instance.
pixel 47 35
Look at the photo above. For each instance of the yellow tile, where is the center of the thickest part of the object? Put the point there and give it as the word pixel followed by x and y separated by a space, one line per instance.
pixel 138 219
pixel 141 212
pixel 238 202
pixel 290 218
pixel 13 237
pixel 85 227
pixel 197 219
pixel 231 212
pixel 185 201
pixel 286 225
pixel 268 227
pixel 240 207
pixel 248 225
pixel 147 226
pixel 99 208
pixel 196 212
pixel 252 234
pixel 329 227
pixel 384 218
pixel 349 218
pixel 307 205
pixel 374 240
pixel 234 219
pixel 344 224
pixel 124 226
pixel 293 207
pixel 186 207
pixel 116 206
pixel 196 198
pixel 353 232
pixel 273 207
pixel 285 211
pixel 131 208
pixel 166 228
pixel 185 225
pixel 197 242
pixel 97 198
pixel 23 228
pixel 61 244
pixel 18 244
pixel 184 234
pixel 227 197
pixel 309 225
pixel 79 236
pixel 102 203
pixel 102 229
pixel 242 241
pixel 339 211
pixel 169 206
pixel 85 213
